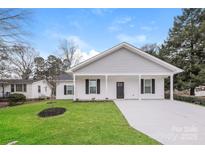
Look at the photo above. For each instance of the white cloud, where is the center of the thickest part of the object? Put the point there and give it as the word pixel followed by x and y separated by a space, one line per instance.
pixel 131 25
pixel 81 43
pixel 114 28
pixel 82 55
pixel 83 46
pixel 123 20
pixel 86 55
pixel 59 36
pixel 146 28
pixel 76 25
pixel 118 23
pixel 131 38
pixel 101 11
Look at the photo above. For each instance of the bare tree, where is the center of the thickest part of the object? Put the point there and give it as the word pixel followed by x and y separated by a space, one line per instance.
pixel 4 67
pixel 12 23
pixel 21 60
pixel 69 49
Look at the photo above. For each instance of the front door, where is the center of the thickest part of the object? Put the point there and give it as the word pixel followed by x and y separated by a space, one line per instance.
pixel 120 89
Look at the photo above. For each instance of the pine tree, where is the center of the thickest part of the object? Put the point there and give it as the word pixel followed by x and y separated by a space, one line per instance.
pixel 40 70
pixel 185 48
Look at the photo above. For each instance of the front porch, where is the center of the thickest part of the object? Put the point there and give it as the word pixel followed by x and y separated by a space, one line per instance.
pixel 127 86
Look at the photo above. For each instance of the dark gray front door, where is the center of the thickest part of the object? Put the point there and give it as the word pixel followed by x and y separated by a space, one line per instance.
pixel 120 89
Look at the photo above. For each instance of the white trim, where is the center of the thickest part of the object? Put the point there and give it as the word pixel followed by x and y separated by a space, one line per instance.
pixel 140 95
pixel 69 85
pixel 144 86
pixel 106 89
pixel 96 85
pixel 64 80
pixel 132 48
pixel 124 74
pixel 74 92
pixel 171 88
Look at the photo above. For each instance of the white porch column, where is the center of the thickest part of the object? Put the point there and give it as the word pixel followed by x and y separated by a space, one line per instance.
pixel 74 90
pixel 171 87
pixel 106 89
pixel 139 87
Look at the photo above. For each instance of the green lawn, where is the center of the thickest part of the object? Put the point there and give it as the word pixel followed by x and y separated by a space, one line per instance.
pixel 82 123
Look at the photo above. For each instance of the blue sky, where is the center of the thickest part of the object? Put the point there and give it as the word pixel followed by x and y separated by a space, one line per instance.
pixel 98 29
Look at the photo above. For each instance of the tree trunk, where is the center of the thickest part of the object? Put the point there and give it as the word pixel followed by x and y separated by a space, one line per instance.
pixel 192 91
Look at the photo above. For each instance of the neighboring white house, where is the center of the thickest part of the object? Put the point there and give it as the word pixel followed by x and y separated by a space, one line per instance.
pixel 30 88
pixel 200 91
pixel 121 72
pixel 64 86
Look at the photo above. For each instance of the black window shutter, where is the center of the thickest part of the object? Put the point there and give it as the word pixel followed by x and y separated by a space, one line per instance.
pixel 142 86
pixel 12 87
pixel 87 86
pixel 25 87
pixel 153 86
pixel 98 86
pixel 65 90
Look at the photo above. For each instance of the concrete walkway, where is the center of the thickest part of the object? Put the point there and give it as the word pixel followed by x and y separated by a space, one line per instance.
pixel 169 122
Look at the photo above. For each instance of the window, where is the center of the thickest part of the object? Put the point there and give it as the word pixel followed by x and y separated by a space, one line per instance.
pixel 69 89
pixel 92 86
pixel 148 86
pixel 12 87
pixel 19 87
pixel 39 89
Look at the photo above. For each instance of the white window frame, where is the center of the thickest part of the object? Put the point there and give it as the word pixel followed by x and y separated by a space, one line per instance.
pixel 150 87
pixel 21 85
pixel 90 86
pixel 23 89
pixel 67 89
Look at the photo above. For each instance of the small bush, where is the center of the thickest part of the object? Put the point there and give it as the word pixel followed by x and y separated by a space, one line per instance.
pixel 187 98
pixel 190 99
pixel 16 99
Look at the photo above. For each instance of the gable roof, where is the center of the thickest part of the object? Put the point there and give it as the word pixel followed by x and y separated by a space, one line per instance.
pixel 131 48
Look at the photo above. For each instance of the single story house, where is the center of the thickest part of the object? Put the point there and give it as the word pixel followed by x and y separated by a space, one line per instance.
pixel 121 72
pixel 30 88
pixel 64 86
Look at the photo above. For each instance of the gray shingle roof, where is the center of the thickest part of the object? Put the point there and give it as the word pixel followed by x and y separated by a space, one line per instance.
pixel 17 81
pixel 65 76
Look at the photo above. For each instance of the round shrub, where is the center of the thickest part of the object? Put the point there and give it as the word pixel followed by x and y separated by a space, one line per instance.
pixel 16 99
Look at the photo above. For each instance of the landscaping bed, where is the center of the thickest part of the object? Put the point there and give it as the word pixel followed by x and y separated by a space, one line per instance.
pixel 51 112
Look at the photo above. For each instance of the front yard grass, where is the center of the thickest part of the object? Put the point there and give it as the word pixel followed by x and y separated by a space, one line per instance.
pixel 82 123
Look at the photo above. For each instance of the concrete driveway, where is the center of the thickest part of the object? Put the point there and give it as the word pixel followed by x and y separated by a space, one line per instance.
pixel 169 122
